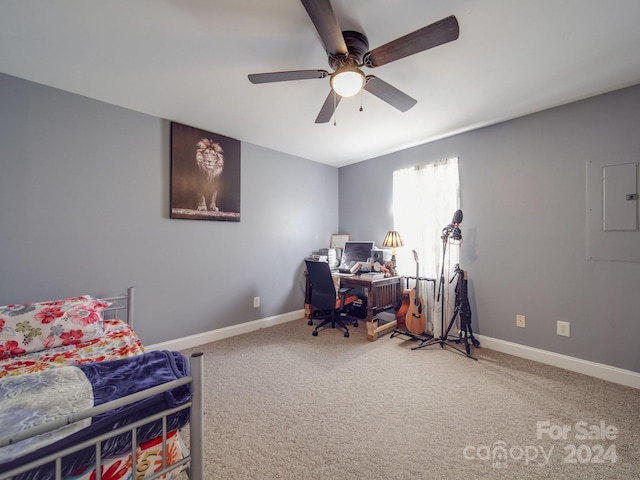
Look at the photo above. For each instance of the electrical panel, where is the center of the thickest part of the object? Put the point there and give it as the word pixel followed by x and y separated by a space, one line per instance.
pixel 613 220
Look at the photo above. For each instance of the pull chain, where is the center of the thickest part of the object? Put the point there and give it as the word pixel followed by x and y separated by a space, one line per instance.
pixel 334 108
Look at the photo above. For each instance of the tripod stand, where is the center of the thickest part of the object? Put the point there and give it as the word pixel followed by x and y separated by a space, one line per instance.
pixel 462 307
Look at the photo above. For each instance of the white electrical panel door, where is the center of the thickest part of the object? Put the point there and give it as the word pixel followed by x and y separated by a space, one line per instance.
pixel 613 232
pixel 620 198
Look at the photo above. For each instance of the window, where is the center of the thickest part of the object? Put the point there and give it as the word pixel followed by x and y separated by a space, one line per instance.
pixel 425 198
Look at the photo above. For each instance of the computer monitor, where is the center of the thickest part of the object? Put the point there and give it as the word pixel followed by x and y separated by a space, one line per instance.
pixel 355 252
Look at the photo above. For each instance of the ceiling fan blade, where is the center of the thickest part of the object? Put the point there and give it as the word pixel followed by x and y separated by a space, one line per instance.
pixel 329 107
pixel 389 93
pixel 286 76
pixel 322 16
pixel 438 33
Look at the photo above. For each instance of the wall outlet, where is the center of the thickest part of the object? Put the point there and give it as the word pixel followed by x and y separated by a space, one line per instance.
pixel 256 302
pixel 521 321
pixel 564 328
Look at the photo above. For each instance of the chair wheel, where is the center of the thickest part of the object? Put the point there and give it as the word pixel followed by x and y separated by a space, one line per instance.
pixel 310 322
pixel 315 333
pixel 355 324
pixel 346 334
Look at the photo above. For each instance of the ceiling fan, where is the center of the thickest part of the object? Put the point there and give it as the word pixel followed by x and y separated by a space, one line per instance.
pixel 348 51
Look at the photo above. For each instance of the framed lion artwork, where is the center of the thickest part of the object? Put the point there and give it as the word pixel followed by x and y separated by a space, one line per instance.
pixel 205 175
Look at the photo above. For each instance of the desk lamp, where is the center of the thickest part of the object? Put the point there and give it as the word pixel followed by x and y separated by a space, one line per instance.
pixel 392 240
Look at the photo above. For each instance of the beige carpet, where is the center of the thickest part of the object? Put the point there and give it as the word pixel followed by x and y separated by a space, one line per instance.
pixel 282 404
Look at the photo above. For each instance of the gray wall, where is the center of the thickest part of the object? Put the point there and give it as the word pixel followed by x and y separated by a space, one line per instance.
pixel 523 185
pixel 84 208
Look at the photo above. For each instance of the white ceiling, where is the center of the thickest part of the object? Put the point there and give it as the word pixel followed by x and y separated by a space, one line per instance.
pixel 188 60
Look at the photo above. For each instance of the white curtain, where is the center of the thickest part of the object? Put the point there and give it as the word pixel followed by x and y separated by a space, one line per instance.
pixel 425 197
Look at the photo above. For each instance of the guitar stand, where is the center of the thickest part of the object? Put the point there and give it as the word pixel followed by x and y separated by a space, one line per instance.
pixel 463 309
pixel 423 338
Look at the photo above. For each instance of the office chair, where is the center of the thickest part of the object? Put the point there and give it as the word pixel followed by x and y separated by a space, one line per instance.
pixel 324 298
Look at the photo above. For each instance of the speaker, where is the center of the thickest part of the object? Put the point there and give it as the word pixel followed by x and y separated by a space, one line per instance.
pixel 377 256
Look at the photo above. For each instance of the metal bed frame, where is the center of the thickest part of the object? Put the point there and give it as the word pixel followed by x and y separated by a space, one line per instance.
pixel 121 303
pixel 193 460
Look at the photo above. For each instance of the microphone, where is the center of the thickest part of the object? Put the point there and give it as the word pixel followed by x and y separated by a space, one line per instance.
pixel 457 217
pixel 453 229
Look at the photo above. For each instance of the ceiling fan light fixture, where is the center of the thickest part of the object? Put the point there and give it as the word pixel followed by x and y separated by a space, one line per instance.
pixel 347 81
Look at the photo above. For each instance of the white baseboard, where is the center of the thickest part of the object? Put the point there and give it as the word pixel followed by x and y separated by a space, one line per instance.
pixel 225 332
pixel 593 369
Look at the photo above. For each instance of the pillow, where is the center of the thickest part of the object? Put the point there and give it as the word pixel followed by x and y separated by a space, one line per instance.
pixel 32 327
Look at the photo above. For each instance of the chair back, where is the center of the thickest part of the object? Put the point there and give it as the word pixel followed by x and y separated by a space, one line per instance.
pixel 323 291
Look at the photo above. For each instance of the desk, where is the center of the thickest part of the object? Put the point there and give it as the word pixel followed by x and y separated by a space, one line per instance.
pixel 382 294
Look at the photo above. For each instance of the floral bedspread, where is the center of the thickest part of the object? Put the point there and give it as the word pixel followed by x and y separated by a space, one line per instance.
pixel 118 341
pixel 149 455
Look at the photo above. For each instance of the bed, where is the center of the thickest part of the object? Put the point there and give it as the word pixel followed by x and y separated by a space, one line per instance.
pixel 81 399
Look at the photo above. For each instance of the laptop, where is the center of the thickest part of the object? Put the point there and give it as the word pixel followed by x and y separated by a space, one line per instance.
pixel 354 255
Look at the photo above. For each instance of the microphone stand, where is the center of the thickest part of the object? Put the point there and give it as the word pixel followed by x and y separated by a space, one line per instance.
pixel 443 339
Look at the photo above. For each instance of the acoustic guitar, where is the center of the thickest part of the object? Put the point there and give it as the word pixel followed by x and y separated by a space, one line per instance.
pixel 401 314
pixel 415 320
